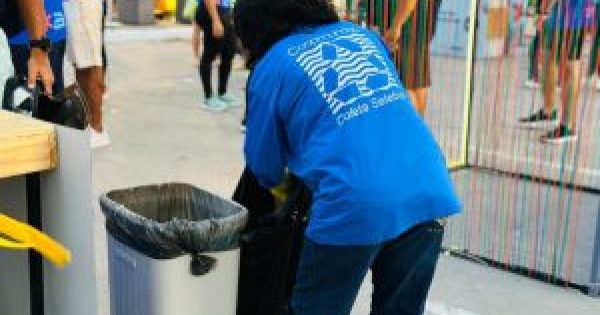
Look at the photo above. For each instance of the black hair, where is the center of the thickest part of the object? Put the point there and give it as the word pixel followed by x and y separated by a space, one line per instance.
pixel 261 23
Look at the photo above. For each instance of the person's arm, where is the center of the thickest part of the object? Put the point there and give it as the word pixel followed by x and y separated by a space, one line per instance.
pixel 265 136
pixel 404 9
pixel 217 24
pixel 34 16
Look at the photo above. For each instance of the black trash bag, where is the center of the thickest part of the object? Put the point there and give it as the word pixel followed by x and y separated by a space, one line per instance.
pixel 271 246
pixel 170 220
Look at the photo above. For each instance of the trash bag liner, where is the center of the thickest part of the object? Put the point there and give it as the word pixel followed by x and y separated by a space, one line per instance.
pixel 169 220
pixel 271 245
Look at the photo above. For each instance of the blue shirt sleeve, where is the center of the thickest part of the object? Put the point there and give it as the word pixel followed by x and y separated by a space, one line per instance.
pixel 265 135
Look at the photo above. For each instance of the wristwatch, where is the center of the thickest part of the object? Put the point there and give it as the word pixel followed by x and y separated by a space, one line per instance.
pixel 43 44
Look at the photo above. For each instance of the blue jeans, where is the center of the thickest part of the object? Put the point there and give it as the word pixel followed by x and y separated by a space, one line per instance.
pixel 329 277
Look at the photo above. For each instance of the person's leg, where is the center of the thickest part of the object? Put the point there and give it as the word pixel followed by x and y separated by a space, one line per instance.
pixel 550 71
pixel 421 100
pixel 418 96
pixel 534 52
pixel 404 269
pixel 227 52
pixel 91 81
pixel 570 94
pixel 572 86
pixel 572 46
pixel 329 278
pixel 227 56
pixel 196 42
pixel 209 53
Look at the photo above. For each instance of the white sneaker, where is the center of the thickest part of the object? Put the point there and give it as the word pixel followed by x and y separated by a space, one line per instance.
pixel 531 84
pixel 595 82
pixel 98 139
pixel 230 100
pixel 214 104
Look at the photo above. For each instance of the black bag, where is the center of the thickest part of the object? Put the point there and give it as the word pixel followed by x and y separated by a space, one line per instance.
pixel 69 109
pixel 270 247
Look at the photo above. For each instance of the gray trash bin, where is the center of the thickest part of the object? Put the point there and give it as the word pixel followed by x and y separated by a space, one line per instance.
pixel 136 12
pixel 173 249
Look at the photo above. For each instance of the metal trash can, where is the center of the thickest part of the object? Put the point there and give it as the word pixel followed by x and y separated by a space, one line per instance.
pixel 136 12
pixel 173 250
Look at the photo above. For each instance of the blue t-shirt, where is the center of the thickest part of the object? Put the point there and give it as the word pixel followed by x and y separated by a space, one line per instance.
pixel 56 18
pixel 227 4
pixel 327 103
pixel 569 14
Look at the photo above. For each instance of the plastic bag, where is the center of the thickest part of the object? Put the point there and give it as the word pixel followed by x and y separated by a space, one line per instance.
pixel 271 245
pixel 189 10
pixel 170 220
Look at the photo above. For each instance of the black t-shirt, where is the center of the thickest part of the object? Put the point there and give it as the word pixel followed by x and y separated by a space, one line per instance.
pixel 10 17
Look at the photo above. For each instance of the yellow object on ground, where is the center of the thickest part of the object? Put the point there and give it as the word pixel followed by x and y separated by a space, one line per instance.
pixel 166 6
pixel 23 236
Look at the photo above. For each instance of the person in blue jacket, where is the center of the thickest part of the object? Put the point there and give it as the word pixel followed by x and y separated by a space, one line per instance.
pixel 325 103
pixel 56 34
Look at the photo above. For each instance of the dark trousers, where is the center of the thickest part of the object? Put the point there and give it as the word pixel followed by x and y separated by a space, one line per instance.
pixel 329 277
pixel 20 58
pixel 534 57
pixel 213 47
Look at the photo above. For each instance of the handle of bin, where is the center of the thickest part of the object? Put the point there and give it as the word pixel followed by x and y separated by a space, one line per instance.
pixel 27 237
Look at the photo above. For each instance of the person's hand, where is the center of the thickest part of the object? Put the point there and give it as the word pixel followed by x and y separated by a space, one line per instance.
pixel 218 29
pixel 39 69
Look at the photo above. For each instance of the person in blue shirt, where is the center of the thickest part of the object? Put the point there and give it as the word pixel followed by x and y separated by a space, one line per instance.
pixel 18 15
pixel 56 33
pixel 563 23
pixel 214 17
pixel 325 104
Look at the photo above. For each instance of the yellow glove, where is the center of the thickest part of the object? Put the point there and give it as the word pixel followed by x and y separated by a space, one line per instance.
pixel 282 191
pixel 24 236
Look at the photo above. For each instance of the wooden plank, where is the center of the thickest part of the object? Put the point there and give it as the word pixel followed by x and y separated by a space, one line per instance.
pixel 26 145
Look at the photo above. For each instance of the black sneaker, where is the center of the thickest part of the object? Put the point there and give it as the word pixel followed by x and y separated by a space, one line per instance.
pixel 561 134
pixel 539 119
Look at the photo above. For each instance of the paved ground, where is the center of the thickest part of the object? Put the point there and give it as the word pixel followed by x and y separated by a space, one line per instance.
pixel 160 134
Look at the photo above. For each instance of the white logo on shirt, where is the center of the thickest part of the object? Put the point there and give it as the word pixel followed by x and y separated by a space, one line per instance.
pixel 346 68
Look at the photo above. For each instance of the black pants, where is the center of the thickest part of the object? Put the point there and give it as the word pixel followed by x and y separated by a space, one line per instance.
pixel 213 47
